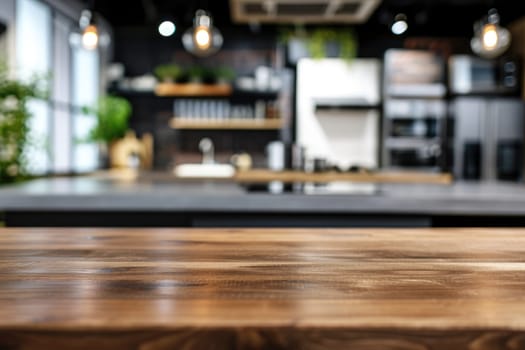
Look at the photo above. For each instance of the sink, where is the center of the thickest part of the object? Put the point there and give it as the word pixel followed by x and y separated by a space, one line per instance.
pixel 204 170
pixel 342 188
pixel 208 168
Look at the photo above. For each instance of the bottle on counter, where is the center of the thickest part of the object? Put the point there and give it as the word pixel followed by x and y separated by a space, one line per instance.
pixel 276 159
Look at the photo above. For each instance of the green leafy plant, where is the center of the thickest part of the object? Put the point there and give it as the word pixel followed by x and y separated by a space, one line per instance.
pixel 343 38
pixel 113 114
pixel 168 72
pixel 196 73
pixel 319 41
pixel 224 74
pixel 14 117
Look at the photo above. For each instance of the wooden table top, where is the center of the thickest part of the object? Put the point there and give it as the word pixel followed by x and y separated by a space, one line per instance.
pixel 154 289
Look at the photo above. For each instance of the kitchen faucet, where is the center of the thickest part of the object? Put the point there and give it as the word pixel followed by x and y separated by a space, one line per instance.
pixel 208 151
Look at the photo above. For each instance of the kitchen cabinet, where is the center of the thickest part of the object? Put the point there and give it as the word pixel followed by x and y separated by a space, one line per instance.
pixel 413 133
pixel 415 111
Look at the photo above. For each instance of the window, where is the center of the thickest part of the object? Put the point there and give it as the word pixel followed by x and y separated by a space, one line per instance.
pixel 85 93
pixel 33 57
pixel 58 129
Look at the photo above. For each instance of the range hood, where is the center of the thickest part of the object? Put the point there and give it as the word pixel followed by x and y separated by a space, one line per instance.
pixel 302 11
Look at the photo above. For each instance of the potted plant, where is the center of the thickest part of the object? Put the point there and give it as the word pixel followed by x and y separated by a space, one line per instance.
pixel 14 116
pixel 327 42
pixel 320 43
pixel 224 75
pixel 112 114
pixel 208 75
pixel 195 74
pixel 168 73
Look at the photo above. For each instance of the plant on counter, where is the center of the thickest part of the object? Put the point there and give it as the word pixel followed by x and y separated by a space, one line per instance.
pixel 324 42
pixel 168 72
pixel 112 114
pixel 14 117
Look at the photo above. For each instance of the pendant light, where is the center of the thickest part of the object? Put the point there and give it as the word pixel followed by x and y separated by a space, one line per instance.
pixel 490 39
pixel 203 39
pixel 90 36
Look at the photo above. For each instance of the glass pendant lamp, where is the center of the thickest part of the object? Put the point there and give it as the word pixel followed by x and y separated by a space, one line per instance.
pixel 202 39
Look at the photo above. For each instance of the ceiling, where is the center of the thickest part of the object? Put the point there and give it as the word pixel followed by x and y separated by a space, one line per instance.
pixel 426 17
pixel 302 11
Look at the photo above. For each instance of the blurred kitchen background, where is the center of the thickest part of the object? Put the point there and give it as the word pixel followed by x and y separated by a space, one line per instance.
pixel 339 85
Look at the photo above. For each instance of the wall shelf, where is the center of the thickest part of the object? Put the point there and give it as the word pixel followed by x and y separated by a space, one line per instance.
pixel 400 142
pixel 193 89
pixel 345 104
pixel 227 124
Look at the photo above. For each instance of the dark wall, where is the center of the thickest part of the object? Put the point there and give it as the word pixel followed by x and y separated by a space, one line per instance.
pixel 141 49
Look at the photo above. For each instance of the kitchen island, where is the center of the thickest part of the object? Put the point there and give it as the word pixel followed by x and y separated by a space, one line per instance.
pixel 163 288
pixel 164 201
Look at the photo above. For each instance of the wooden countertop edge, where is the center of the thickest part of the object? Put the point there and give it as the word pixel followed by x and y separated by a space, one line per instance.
pixel 442 321
pixel 265 176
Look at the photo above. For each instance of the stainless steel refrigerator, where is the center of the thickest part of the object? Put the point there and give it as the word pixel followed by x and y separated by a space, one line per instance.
pixel 488 138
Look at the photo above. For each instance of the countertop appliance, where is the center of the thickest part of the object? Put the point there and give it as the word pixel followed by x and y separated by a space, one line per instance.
pixel 474 75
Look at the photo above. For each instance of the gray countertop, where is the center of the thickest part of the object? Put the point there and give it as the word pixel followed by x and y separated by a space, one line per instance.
pixel 107 194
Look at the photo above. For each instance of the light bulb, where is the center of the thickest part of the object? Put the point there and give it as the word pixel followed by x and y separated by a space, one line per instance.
pixel 400 24
pixel 202 37
pixel 399 27
pixel 90 37
pixel 167 28
pixel 490 37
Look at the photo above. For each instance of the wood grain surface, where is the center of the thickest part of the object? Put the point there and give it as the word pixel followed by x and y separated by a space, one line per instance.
pixel 227 124
pixel 265 175
pixel 156 289
pixel 193 89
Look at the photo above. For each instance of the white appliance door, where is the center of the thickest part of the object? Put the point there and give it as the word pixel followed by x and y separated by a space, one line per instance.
pixel 347 134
